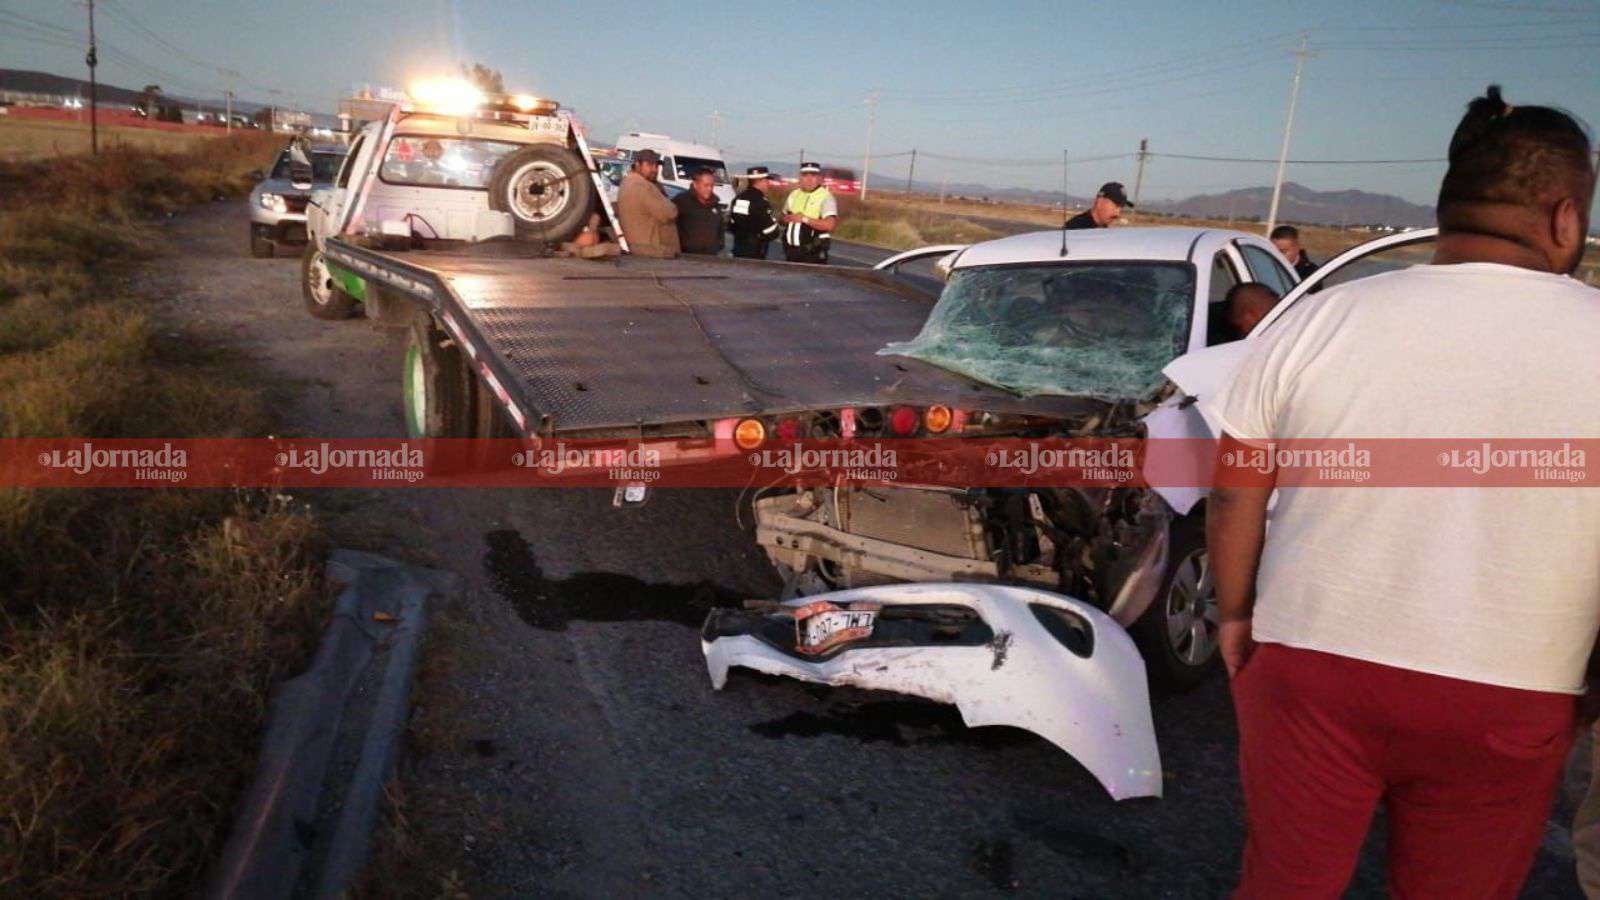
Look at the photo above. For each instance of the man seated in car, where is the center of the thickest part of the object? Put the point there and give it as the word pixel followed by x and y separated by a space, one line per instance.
pixel 1247 304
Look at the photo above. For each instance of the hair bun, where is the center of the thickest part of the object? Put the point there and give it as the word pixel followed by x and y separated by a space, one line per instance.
pixel 1482 114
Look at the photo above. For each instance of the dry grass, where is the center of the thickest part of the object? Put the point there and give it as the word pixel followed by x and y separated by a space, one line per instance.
pixel 33 138
pixel 140 631
pixel 925 218
pixel 899 226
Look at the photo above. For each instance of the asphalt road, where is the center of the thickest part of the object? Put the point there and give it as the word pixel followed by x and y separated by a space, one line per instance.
pixel 570 744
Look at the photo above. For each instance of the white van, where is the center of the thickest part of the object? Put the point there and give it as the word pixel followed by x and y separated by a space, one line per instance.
pixel 680 160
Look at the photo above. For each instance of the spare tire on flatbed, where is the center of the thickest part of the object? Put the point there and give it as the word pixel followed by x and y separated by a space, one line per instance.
pixel 547 190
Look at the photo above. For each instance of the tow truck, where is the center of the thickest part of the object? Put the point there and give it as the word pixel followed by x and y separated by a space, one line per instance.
pixel 507 340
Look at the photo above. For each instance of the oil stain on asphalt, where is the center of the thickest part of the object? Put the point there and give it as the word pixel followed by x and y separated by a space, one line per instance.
pixel 551 603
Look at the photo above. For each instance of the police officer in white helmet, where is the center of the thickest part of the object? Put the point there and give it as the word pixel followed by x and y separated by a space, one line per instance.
pixel 810 213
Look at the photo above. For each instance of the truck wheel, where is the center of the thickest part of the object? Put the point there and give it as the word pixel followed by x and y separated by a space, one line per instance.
pixel 438 385
pixel 260 247
pixel 323 299
pixel 546 189
pixel 1178 633
pixel 489 421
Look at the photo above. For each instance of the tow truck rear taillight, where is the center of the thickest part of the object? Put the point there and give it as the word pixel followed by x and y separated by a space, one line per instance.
pixel 903 421
pixel 749 434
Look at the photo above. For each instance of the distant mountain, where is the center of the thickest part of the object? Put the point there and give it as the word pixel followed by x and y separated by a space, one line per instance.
pixel 1302 204
pixel 45 83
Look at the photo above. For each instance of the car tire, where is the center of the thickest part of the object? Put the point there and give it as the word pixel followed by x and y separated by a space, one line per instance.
pixel 323 299
pixel 1178 633
pixel 260 247
pixel 438 386
pixel 547 190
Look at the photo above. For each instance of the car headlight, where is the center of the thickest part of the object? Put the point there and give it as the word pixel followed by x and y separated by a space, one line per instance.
pixel 274 202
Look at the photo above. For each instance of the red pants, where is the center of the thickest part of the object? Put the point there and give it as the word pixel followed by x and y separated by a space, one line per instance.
pixel 1467 771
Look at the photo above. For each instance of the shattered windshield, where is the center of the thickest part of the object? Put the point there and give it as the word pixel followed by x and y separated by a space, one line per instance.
pixel 1095 329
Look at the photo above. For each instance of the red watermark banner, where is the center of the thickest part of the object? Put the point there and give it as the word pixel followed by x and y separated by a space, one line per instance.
pixel 958 462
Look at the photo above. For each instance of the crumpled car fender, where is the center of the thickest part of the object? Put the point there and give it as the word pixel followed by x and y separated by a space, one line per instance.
pixel 1052 665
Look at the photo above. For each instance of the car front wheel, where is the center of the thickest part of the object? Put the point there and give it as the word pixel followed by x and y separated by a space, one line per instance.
pixel 323 298
pixel 1178 633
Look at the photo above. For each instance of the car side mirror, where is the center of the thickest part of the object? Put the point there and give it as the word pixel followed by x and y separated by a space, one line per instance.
pixel 300 174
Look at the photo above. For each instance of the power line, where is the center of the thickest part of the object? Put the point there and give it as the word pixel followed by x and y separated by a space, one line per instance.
pixel 1301 162
pixel 56 35
pixel 1101 77
pixel 1034 161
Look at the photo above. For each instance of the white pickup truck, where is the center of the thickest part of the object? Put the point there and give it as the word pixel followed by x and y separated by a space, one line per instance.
pixel 463 168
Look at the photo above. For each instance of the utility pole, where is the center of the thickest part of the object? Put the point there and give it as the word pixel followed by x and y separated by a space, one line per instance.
pixel 93 59
pixel 231 75
pixel 1138 181
pixel 1288 128
pixel 911 174
pixel 1597 171
pixel 866 165
pixel 1063 185
pixel 716 119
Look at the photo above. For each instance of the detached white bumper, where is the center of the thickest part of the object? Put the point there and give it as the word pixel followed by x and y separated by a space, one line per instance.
pixel 1046 663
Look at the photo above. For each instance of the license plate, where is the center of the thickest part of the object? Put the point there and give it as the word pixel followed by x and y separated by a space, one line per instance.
pixel 548 125
pixel 821 626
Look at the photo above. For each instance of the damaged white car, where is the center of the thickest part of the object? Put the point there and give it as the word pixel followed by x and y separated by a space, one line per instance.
pixel 1094 318
pixel 1002 655
pixel 1086 319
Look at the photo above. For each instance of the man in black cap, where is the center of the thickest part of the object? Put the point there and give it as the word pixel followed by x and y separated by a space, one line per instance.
pixel 754 225
pixel 644 212
pixel 1106 208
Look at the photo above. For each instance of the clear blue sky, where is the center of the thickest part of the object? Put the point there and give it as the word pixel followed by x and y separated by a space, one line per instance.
pixel 1000 81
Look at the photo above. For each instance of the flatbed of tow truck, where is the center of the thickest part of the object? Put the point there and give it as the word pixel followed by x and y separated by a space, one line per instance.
pixel 630 346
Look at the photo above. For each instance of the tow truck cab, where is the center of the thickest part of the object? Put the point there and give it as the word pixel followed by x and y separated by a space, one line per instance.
pixel 464 167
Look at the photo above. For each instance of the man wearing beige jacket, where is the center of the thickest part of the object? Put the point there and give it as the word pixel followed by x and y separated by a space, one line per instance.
pixel 644 212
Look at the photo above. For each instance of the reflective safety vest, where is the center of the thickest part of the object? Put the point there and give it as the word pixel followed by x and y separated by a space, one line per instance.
pixel 806 204
pixel 810 205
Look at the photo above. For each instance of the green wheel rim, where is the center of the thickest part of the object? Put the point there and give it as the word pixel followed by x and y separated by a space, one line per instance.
pixel 416 393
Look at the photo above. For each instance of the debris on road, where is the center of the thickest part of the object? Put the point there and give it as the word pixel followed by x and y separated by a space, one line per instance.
pixel 1002 655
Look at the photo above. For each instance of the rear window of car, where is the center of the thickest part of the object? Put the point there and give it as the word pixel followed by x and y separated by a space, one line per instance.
pixel 323 166
pixel 427 161
pixel 688 165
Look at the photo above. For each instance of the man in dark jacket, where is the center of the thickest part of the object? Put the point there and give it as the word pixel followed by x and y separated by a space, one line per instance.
pixel 700 225
pixel 1287 239
pixel 1107 208
pixel 753 223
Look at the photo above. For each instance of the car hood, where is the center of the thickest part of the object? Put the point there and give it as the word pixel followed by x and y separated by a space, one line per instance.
pixel 286 187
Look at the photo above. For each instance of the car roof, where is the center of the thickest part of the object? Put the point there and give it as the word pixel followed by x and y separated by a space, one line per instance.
pixel 663 144
pixel 437 125
pixel 1160 244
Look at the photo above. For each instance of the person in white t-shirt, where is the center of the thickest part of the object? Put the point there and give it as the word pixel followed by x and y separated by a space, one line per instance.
pixel 1422 647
